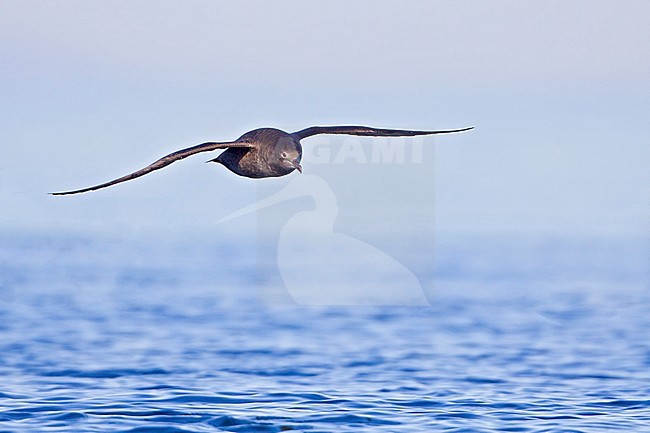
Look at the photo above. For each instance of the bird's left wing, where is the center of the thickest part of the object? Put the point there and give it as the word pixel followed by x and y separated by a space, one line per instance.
pixel 163 162
pixel 369 131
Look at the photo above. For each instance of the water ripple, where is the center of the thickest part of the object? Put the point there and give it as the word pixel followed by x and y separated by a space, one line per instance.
pixel 100 345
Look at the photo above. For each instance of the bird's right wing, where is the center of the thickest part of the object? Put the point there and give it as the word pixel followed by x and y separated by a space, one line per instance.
pixel 163 162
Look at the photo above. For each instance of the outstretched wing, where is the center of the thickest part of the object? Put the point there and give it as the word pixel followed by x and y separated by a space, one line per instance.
pixel 163 162
pixel 368 131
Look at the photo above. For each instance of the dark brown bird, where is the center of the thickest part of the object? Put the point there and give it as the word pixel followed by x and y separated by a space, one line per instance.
pixel 264 152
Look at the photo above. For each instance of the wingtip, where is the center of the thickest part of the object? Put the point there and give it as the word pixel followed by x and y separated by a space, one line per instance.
pixel 68 192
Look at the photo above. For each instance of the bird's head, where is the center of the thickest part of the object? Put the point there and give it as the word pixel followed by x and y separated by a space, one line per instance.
pixel 289 154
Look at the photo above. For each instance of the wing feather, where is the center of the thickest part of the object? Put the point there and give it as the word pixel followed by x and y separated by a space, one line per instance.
pixel 163 162
pixel 368 131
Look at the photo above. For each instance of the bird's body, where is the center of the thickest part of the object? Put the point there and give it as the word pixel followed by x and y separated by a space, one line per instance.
pixel 258 161
pixel 264 152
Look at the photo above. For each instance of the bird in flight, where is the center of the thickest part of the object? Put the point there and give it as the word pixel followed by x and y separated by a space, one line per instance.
pixel 264 152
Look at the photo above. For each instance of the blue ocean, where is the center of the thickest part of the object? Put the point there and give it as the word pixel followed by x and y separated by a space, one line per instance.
pixel 151 334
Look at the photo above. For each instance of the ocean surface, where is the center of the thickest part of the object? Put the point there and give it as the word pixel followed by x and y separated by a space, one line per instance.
pixel 101 334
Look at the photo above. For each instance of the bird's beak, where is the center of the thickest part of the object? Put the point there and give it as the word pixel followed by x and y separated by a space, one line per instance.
pixel 296 165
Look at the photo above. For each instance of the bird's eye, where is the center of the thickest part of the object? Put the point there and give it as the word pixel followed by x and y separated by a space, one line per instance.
pixel 283 154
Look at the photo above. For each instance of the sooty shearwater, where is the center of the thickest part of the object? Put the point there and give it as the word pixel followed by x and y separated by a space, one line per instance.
pixel 264 152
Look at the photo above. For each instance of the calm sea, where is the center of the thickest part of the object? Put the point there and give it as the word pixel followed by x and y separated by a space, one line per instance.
pixel 101 334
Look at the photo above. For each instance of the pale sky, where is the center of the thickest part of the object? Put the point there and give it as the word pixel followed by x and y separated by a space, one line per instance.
pixel 558 92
